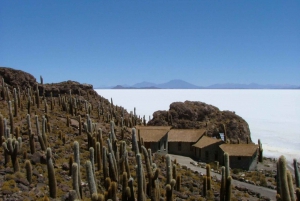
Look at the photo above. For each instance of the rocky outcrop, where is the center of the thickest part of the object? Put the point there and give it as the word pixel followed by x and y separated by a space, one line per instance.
pixel 17 78
pixel 65 87
pixel 189 114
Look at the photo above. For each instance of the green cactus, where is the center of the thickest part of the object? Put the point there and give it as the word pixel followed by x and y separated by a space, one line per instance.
pixel 178 182
pixel 28 168
pixel 284 191
pixel 223 184
pixel 208 177
pixel 297 176
pixel 151 176
pixel 1 128
pixel 135 146
pixel 169 168
pixel 139 175
pixel 291 186
pixel 112 168
pixel 92 159
pixel 104 163
pixel 77 160
pixel 204 191
pixel 124 186
pixel 37 96
pixel 11 118
pixel 90 178
pixel 80 125
pixel 98 156
pixel 228 193
pixel 15 103
pixel 51 175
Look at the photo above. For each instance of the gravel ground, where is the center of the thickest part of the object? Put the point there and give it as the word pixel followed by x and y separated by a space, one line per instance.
pixel 266 192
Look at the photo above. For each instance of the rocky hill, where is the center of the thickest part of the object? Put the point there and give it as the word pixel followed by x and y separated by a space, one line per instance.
pixel 190 114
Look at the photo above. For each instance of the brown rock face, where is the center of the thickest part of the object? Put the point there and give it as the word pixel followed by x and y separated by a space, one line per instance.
pixel 201 115
pixel 17 78
pixel 65 87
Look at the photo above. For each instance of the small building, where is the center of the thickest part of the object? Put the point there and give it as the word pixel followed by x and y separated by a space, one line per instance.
pixel 154 137
pixel 241 156
pixel 181 141
pixel 207 149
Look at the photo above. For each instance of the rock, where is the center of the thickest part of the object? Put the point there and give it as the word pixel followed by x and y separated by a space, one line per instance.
pixel 65 166
pixel 17 78
pixel 195 114
pixel 38 157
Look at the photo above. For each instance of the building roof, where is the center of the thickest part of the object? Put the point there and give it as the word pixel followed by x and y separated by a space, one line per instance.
pixel 185 135
pixel 152 133
pixel 206 141
pixel 153 127
pixel 239 149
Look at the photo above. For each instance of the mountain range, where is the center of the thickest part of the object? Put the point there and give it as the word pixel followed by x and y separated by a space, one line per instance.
pixel 181 84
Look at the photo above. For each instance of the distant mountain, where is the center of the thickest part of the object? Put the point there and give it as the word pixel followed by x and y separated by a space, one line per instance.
pixel 177 84
pixel 181 84
pixel 144 84
pixel 250 86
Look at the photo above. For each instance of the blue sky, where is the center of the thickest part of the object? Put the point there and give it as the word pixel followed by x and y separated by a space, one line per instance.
pixel 126 42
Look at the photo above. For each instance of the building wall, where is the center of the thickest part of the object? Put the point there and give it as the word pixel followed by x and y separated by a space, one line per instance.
pixel 160 147
pixel 185 149
pixel 209 154
pixel 243 162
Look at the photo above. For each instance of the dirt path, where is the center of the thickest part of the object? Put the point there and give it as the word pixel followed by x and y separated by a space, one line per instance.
pixel 258 189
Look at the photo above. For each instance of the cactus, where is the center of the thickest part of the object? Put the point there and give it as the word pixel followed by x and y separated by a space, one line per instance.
pixel 40 138
pixel 125 193
pixel 104 163
pixel 169 168
pixel 223 184
pixel 298 194
pixel 260 150
pixel 291 186
pixel 92 159
pixel 98 156
pixel 1 128
pixel 135 147
pixel 79 124
pixel 11 118
pixel 297 176
pixel 15 103
pixel 178 182
pixel 208 177
pixel 228 189
pixel 77 160
pixel 28 168
pixel 151 176
pixel 139 174
pixel 44 122
pixel 204 191
pixel 51 175
pixel 37 96
pixel 284 191
pixel 112 168
pixel 71 161
pixel 90 178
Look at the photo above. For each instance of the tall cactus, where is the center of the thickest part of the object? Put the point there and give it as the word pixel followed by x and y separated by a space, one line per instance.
pixel 90 178
pixel 169 168
pixel 51 176
pixel 228 189
pixel 260 150
pixel 77 160
pixel 28 168
pixel 297 176
pixel 135 146
pixel 291 186
pixel 223 184
pixel 140 174
pixel 208 177
pixel 285 192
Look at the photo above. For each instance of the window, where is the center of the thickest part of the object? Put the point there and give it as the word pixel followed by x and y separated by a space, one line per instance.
pixel 179 146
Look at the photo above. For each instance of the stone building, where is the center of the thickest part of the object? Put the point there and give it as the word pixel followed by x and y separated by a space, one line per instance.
pixel 241 156
pixel 154 137
pixel 207 149
pixel 181 141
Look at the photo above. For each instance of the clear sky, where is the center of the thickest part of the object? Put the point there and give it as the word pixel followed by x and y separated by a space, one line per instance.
pixel 126 42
